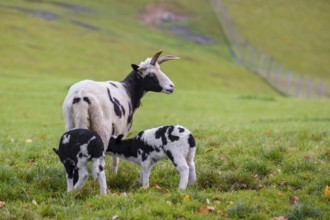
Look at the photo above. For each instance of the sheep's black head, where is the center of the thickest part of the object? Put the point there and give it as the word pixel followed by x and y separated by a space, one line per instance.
pixel 153 78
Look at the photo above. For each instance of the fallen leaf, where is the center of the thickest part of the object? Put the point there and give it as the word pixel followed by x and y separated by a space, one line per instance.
pixel 327 191
pixel 208 201
pixel 280 218
pixel 34 202
pixel 293 200
pixel 163 190
pixel 209 150
pixel 210 208
pixel 156 186
pixel 28 140
pixel 2 204
pixel 115 217
pixel 268 132
pixel 219 212
pixel 218 202
pixel 186 197
pixel 203 211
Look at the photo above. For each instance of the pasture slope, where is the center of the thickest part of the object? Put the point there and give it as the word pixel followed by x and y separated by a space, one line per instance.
pixel 260 156
pixel 295 33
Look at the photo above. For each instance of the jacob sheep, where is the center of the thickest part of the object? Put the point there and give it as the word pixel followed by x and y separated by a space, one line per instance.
pixel 108 107
pixel 149 146
pixel 76 148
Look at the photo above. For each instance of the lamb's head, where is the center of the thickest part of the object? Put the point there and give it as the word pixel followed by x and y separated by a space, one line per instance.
pixel 114 142
pixel 153 78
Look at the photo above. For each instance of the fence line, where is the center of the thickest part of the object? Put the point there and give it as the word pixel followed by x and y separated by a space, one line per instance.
pixel 284 81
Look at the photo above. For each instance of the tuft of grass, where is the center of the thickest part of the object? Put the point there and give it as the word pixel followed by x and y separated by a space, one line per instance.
pixel 240 211
pixel 302 211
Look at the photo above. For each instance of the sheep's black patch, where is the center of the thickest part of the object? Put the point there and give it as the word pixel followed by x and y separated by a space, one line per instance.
pixel 130 114
pixel 114 85
pixel 101 168
pixel 151 83
pixel 191 141
pixel 170 155
pixel 118 108
pixel 181 130
pixel 160 133
pixel 86 99
pixel 171 136
pixel 75 176
pixel 130 148
pixel 75 100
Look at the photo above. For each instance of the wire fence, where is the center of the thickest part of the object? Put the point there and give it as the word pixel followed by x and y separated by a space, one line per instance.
pixel 281 79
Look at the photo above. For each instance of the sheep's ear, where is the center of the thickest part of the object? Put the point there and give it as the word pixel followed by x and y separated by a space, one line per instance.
pixel 119 138
pixel 135 67
pixel 55 150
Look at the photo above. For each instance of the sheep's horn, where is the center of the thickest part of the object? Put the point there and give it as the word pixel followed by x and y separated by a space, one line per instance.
pixel 166 58
pixel 155 57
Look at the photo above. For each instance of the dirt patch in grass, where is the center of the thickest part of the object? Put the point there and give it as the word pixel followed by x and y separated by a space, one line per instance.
pixel 157 15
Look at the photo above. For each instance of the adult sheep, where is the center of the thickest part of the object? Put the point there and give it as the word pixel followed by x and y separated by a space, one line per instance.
pixel 108 107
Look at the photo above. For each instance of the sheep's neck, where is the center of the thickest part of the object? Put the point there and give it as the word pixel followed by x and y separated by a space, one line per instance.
pixel 134 87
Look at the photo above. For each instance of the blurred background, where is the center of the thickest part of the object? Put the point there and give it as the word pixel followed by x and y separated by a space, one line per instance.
pixel 272 45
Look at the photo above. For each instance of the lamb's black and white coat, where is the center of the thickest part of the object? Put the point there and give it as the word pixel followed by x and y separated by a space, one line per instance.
pixel 149 146
pixel 108 107
pixel 76 148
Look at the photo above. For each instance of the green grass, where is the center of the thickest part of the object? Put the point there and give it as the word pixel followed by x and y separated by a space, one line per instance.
pixel 255 149
pixel 296 34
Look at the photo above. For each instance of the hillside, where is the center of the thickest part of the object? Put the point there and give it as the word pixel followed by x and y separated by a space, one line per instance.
pixel 295 33
pixel 100 41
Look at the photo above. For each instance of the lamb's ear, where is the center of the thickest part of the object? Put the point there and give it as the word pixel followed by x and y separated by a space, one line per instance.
pixel 55 150
pixel 135 67
pixel 119 138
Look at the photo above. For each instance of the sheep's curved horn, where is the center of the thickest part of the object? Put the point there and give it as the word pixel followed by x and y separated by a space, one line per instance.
pixel 166 58
pixel 155 57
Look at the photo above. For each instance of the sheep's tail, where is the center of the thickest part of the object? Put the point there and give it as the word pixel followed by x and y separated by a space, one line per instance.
pixel 80 112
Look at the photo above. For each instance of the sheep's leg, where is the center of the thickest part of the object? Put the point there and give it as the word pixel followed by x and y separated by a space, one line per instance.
pixel 192 173
pixel 69 182
pixel 98 173
pixel 145 174
pixel 82 177
pixel 183 168
pixel 115 162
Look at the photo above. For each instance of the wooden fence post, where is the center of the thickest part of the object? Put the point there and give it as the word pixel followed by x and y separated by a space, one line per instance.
pixel 270 66
pixel 299 85
pixel 310 88
pixel 321 89
pixel 261 63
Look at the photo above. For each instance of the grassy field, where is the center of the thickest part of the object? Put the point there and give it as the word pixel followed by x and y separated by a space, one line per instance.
pixel 296 34
pixel 258 153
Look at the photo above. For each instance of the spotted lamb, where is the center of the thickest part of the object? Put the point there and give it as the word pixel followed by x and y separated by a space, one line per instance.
pixel 149 146
pixel 76 148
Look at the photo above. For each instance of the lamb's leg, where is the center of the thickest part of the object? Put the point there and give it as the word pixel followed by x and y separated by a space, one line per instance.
pixel 145 174
pixel 82 177
pixel 191 164
pixel 99 173
pixel 183 168
pixel 192 173
pixel 69 182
